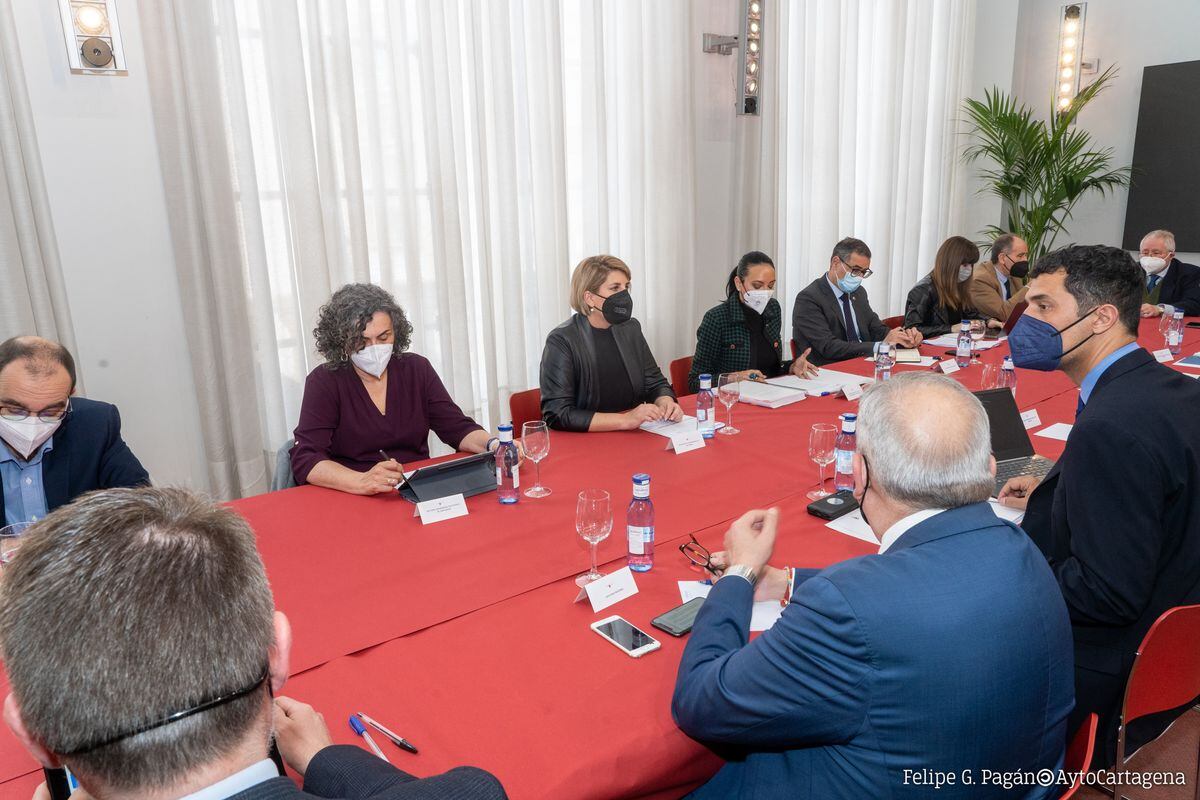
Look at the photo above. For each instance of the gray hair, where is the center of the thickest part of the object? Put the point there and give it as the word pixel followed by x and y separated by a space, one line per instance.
pixel 848 246
pixel 926 441
pixel 1002 245
pixel 128 606
pixel 341 321
pixel 1167 237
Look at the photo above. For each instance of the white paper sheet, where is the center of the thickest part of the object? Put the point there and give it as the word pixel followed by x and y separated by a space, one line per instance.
pixel 853 524
pixel 828 381
pixel 762 617
pixel 951 340
pixel 926 361
pixel 668 429
pixel 768 394
pixel 1059 430
pixel 1013 515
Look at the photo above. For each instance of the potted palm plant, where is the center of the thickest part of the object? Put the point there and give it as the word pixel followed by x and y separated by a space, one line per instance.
pixel 1039 169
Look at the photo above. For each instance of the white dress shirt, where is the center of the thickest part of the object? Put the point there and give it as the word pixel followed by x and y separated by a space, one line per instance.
pixel 902 526
pixel 251 776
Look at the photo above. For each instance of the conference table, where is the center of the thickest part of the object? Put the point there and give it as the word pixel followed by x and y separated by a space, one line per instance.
pixel 464 635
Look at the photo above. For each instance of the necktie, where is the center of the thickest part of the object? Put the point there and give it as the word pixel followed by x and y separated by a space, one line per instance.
pixel 1079 407
pixel 1150 284
pixel 1004 288
pixel 851 330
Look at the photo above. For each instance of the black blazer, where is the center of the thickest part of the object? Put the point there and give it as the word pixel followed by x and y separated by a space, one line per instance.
pixel 88 454
pixel 817 323
pixel 1181 288
pixel 925 312
pixel 569 376
pixel 345 771
pixel 1118 517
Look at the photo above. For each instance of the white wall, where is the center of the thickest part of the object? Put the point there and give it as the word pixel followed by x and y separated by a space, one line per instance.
pixel 96 139
pixel 1132 35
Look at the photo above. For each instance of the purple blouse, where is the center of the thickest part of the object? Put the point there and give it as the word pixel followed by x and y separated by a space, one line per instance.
pixel 339 421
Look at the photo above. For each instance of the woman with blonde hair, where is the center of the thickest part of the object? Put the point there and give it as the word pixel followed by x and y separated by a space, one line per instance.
pixel 597 371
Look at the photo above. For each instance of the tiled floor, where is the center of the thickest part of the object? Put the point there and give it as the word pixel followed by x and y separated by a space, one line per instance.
pixel 1175 751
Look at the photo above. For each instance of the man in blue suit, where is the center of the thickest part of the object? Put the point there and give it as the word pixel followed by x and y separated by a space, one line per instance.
pixel 934 667
pixel 54 447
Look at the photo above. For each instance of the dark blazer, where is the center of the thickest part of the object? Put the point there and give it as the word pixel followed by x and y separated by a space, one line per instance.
pixel 1181 288
pixel 925 312
pixel 88 454
pixel 949 652
pixel 817 323
pixel 723 340
pixel 569 376
pixel 345 771
pixel 1118 517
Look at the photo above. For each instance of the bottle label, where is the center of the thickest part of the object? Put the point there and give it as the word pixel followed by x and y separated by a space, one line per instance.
pixel 516 477
pixel 638 537
pixel 845 461
pixel 1173 339
pixel 701 415
pixel 964 348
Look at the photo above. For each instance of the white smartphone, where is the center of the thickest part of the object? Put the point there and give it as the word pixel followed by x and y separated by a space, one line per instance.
pixel 633 641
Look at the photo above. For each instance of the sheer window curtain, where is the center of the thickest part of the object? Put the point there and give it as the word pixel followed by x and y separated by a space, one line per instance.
pixel 859 137
pixel 464 155
pixel 34 299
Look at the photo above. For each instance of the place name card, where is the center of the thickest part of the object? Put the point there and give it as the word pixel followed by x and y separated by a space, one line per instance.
pixel 853 391
pixel 687 441
pixel 1031 419
pixel 1163 356
pixel 611 589
pixel 442 509
pixel 949 366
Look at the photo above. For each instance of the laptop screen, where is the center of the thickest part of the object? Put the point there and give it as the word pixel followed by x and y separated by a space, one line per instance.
pixel 1009 439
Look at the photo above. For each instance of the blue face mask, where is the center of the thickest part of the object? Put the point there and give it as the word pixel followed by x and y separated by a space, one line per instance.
pixel 849 283
pixel 1035 344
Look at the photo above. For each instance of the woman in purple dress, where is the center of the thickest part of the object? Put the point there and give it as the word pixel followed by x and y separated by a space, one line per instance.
pixel 371 396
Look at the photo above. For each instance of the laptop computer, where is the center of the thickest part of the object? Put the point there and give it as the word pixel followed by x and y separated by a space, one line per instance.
pixel 1010 442
pixel 1009 323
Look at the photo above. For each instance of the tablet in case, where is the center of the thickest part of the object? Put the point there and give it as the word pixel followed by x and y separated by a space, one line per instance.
pixel 466 476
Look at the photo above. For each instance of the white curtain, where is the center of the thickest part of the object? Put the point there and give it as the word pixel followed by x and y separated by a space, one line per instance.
pixel 34 299
pixel 464 155
pixel 859 137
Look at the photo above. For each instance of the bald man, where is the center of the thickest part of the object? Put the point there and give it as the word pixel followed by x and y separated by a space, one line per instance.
pixel 53 446
pixel 921 670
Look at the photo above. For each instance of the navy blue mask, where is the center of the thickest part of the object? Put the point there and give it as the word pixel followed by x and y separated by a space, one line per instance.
pixel 1035 344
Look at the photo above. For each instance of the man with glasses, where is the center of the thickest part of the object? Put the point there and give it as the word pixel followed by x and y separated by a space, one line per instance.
pixel 833 316
pixel 144 651
pixel 54 447
pixel 1171 284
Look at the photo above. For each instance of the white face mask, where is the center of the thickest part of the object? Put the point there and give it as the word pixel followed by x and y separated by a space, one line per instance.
pixel 1153 264
pixel 964 272
pixel 758 299
pixel 27 435
pixel 373 359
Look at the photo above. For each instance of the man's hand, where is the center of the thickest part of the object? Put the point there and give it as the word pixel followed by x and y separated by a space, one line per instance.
pixel 772 581
pixel 751 538
pixel 896 336
pixel 670 409
pixel 381 478
pixel 300 732
pixel 1015 493
pixel 1151 311
pixel 995 324
pixel 912 337
pixel 801 368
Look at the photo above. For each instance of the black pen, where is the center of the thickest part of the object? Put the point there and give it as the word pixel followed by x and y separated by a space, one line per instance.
pixel 397 740
pixel 386 457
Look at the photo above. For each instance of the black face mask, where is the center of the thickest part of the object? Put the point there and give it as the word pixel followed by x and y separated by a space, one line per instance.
pixel 1019 269
pixel 617 307
pixel 866 486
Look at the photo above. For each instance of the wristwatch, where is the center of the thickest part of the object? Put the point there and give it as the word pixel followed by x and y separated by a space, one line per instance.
pixel 743 570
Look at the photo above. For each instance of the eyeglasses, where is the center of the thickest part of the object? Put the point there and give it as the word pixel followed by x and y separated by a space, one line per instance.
pixel 178 715
pixel 16 413
pixel 856 272
pixel 699 555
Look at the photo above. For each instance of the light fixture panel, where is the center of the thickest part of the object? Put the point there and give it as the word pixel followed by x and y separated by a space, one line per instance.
pixel 1069 58
pixel 749 74
pixel 93 37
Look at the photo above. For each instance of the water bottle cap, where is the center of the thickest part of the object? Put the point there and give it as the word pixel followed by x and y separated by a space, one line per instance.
pixel 848 417
pixel 884 347
pixel 1178 314
pixel 1008 362
pixel 506 434
pixel 641 479
pixel 966 325
pixel 705 381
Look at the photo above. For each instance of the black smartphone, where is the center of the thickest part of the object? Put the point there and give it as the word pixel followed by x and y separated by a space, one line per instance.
pixel 1193 324
pixel 679 620
pixel 833 506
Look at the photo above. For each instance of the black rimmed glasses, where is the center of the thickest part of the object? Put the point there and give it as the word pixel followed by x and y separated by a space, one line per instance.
pixel 856 272
pixel 18 414
pixel 219 700
pixel 699 555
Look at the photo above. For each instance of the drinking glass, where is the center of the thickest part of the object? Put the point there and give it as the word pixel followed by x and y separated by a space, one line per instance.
pixel 991 377
pixel 978 329
pixel 821 441
pixel 728 391
pixel 1164 327
pixel 10 539
pixel 535 438
pixel 593 522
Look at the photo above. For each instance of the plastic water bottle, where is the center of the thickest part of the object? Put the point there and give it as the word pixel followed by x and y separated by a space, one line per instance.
pixel 639 525
pixel 1008 376
pixel 1175 333
pixel 962 353
pixel 705 407
pixel 508 474
pixel 843 454
pixel 884 361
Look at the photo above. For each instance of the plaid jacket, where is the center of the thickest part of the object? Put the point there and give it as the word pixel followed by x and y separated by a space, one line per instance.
pixel 723 343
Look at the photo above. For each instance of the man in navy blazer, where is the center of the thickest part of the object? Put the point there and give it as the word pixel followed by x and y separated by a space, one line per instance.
pixel 931 669
pixel 1118 516
pixel 1171 285
pixel 53 446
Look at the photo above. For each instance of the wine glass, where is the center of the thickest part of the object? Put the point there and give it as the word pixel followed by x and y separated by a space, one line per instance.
pixel 978 329
pixel 593 522
pixel 535 438
pixel 10 539
pixel 1164 327
pixel 991 377
pixel 821 441
pixel 728 391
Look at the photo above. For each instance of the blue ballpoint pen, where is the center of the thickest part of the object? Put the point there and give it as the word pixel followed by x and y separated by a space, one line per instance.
pixel 358 728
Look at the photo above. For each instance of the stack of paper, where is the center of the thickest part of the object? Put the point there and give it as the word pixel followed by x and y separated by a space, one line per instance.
pixel 827 382
pixel 669 429
pixel 768 395
pixel 907 355
pixel 951 340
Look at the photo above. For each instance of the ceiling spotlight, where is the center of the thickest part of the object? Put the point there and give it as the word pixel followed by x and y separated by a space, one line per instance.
pixel 92 36
pixel 90 20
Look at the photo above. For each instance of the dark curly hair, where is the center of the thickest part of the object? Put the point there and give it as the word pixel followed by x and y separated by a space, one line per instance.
pixel 340 322
pixel 1098 275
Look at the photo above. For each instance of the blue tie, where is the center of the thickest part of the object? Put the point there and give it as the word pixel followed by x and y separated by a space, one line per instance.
pixel 851 330
pixel 1079 406
pixel 1150 284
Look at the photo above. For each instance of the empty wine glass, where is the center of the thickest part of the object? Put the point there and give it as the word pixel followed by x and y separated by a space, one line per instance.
pixel 593 522
pixel 1164 327
pixel 535 438
pixel 991 377
pixel 821 440
pixel 978 329
pixel 728 391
